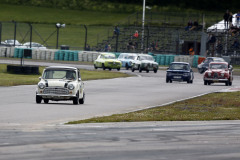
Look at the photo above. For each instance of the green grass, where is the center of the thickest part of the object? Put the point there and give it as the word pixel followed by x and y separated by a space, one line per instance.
pixel 8 79
pixel 52 15
pixel 215 106
pixel 236 67
pixel 44 20
pixel 99 24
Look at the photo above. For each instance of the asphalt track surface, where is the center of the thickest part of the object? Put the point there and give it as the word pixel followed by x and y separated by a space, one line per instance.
pixel 36 131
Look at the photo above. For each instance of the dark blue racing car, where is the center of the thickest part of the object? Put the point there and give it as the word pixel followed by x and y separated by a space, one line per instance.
pixel 179 71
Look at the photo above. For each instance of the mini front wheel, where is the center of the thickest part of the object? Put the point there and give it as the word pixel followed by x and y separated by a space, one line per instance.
pixel 81 100
pixel 38 99
pixel 76 99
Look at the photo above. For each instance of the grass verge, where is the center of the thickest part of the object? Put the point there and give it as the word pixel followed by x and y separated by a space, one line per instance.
pixel 215 106
pixel 8 79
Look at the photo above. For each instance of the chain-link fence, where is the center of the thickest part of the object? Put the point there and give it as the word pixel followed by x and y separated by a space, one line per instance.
pixel 164 33
pixel 77 37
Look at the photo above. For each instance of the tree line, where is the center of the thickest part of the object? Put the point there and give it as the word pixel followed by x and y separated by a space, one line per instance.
pixel 130 5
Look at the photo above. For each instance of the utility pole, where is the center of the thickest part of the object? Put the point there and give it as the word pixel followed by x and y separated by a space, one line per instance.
pixel 143 20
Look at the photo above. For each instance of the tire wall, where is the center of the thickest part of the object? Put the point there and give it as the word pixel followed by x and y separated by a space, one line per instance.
pixel 167 59
pixel 163 59
pixel 3 51
pixel 91 56
pixel 7 51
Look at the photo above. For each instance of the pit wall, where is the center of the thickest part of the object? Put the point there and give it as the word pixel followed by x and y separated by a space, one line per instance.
pixel 88 56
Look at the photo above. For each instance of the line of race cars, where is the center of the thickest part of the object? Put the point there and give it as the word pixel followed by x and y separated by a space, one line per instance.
pixel 219 72
pixel 141 62
pixel 64 83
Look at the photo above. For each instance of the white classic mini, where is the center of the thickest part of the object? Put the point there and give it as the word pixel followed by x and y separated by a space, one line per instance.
pixel 60 83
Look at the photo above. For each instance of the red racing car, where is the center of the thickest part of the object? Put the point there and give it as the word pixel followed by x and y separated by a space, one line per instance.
pixel 218 72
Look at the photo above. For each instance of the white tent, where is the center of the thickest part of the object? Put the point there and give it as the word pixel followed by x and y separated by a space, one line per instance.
pixel 220 27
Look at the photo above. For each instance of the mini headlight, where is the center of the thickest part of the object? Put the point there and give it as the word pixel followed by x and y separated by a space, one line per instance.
pixel 209 74
pixel 222 74
pixel 185 74
pixel 41 85
pixel 70 86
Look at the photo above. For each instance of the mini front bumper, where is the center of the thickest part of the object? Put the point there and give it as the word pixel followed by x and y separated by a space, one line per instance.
pixel 56 93
pixel 56 97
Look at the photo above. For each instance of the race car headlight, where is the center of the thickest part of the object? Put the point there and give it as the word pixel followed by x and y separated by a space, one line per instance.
pixel 41 85
pixel 71 87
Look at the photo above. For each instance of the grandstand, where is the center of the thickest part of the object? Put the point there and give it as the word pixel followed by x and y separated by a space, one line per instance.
pixel 166 34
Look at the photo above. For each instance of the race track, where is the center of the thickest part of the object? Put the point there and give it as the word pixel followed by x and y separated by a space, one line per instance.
pixel 35 131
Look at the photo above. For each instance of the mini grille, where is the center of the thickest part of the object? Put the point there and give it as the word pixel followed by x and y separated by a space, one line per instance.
pixel 54 90
pixel 215 75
